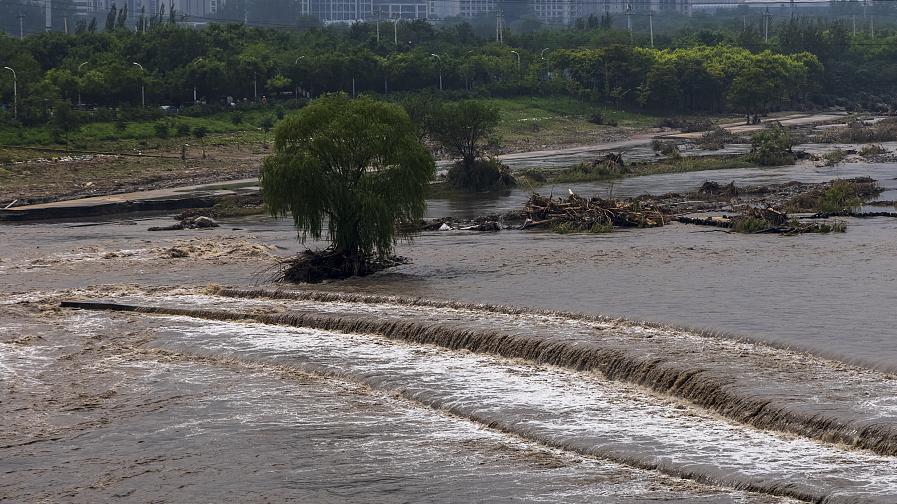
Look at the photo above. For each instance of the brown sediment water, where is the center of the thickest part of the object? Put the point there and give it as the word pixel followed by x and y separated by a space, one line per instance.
pixel 574 411
pixel 811 414
pixel 762 387
pixel 99 409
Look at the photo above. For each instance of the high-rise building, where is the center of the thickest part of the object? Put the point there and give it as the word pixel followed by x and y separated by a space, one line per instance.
pixel 441 9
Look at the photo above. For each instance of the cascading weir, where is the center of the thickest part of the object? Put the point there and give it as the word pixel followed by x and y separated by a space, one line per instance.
pixel 753 384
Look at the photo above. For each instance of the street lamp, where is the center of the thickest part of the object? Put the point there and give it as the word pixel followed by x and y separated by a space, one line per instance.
pixel 79 84
pixel 518 60
pixel 297 83
pixel 466 76
pixel 440 69
pixel 547 67
pixel 194 81
pixel 142 87
pixel 15 93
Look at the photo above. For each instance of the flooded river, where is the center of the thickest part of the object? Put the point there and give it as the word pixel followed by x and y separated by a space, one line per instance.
pixel 200 394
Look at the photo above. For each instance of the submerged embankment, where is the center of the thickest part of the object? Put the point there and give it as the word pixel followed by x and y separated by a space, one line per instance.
pixel 688 405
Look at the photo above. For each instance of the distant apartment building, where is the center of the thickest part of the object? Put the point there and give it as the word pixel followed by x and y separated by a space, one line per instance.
pixel 348 11
pixel 441 9
pixel 90 7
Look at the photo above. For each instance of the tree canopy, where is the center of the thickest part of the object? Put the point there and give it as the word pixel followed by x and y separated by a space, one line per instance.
pixel 354 166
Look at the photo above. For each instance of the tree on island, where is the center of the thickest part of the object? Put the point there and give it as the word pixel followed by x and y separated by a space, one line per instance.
pixel 354 166
pixel 463 128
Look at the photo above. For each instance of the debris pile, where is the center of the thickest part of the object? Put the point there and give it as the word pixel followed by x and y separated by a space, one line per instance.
pixel 755 220
pixel 576 213
pixel 200 222
pixel 716 189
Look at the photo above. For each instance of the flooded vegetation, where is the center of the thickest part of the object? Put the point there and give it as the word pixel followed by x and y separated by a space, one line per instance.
pixel 525 386
pixel 321 263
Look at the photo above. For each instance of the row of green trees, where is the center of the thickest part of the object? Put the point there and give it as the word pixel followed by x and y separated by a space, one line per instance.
pixel 807 62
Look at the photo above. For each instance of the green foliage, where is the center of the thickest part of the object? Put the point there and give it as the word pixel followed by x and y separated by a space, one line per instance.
pixel 482 175
pixel 750 224
pixel 279 82
pixel 420 108
pixel 840 196
pixel 236 118
pixel 834 157
pixel 716 139
pixel 183 129
pixel 355 165
pixel 771 146
pixel 161 130
pixel 266 124
pixel 665 148
pixel 571 227
pixel 462 129
pixel 64 120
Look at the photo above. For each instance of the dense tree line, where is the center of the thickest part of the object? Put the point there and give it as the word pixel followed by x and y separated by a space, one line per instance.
pixel 806 63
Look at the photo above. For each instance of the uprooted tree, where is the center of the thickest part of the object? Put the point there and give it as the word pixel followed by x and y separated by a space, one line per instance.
pixel 354 166
pixel 462 128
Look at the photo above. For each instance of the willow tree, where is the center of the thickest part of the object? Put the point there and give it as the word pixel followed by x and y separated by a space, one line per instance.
pixel 348 170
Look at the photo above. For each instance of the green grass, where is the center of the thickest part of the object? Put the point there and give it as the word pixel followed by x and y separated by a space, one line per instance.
pixel 532 123
pixel 689 164
pixel 750 225
pixel 142 135
pixel 834 157
pixel 586 173
pixel 553 107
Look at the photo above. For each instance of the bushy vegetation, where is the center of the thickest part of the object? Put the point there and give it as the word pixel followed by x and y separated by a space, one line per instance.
pixel 872 150
pixel 354 166
pixel 834 157
pixel 839 196
pixel 482 175
pixel 860 132
pixel 665 148
pixel 771 146
pixel 716 139
pixel 691 70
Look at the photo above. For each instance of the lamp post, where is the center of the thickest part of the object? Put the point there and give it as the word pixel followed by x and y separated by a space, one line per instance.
pixel 295 63
pixel 197 60
pixel 547 67
pixel 466 76
pixel 142 86
pixel 440 68
pixel 515 53
pixel 15 93
pixel 79 84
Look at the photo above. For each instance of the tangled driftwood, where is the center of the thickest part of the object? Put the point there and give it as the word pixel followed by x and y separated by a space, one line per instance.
pixel 583 214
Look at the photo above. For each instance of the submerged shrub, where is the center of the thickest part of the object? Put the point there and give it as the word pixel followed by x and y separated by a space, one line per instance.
pixel 872 150
pixel 834 157
pixel 771 146
pixel 750 224
pixel 840 197
pixel 716 139
pixel 482 175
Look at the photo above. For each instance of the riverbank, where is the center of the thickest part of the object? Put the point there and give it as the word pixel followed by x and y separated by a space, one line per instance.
pixel 32 175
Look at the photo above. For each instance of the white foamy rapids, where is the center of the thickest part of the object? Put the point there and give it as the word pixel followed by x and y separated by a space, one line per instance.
pixel 576 411
pixel 796 377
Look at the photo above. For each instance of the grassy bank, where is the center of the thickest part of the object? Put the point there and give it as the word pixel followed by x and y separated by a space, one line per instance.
pixel 166 133
pixel 591 172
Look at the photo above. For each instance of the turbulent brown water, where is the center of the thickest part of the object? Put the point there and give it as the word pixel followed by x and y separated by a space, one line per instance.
pixel 378 390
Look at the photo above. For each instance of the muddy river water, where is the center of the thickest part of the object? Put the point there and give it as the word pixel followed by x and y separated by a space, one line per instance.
pixel 782 392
